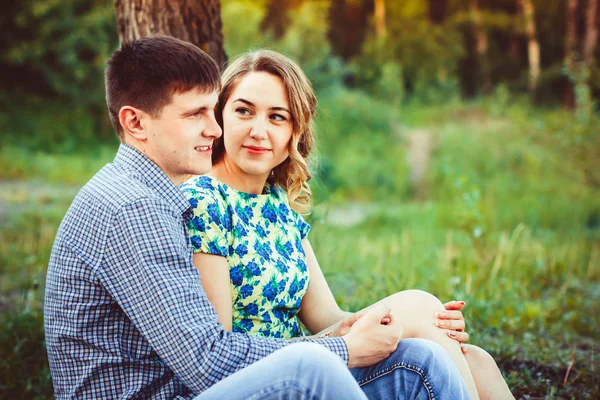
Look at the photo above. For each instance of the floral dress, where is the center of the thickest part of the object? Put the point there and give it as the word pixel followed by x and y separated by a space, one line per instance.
pixel 260 237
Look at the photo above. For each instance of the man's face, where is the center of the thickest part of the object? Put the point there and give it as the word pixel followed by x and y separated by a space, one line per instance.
pixel 180 139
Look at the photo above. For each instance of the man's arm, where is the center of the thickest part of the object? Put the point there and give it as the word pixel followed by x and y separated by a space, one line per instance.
pixel 148 270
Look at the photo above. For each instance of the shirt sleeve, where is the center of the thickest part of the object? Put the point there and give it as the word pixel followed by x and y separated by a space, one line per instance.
pixel 148 270
pixel 210 227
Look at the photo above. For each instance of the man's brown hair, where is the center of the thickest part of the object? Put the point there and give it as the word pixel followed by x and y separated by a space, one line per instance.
pixel 147 72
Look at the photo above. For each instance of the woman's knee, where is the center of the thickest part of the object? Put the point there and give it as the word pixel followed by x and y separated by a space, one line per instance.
pixel 417 299
pixel 476 356
pixel 415 310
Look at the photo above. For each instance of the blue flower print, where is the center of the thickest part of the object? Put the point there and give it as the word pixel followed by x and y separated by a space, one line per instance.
pixel 193 202
pixel 196 242
pixel 293 287
pixel 214 248
pixel 213 213
pixel 253 268
pixel 241 250
pixel 246 291
pixel 269 212
pixel 205 183
pixel 236 275
pixel 240 231
pixel 282 267
pixel 270 290
pixel 301 265
pixel 299 247
pixel 245 213
pixel 278 314
pixel 262 250
pixel 262 233
pixel 252 309
pixel 267 318
pixel 281 285
pixel 198 224
pixel 246 325
pixel 283 212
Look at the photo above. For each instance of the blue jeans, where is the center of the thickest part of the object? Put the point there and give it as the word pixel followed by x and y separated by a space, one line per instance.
pixel 418 369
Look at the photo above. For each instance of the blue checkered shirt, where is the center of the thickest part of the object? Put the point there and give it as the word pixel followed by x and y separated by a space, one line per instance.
pixel 125 312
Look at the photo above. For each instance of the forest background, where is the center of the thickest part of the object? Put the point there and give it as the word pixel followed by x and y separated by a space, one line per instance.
pixel 459 153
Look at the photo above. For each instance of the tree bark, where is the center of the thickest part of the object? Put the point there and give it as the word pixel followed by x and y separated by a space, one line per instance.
pixel 481 46
pixel 380 28
pixel 533 46
pixel 348 22
pixel 197 22
pixel 591 32
pixel 570 40
pixel 437 11
pixel 277 17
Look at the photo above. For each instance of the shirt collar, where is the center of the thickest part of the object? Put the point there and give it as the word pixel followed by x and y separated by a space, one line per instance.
pixel 153 176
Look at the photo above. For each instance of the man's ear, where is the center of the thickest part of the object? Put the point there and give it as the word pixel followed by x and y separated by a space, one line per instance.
pixel 132 121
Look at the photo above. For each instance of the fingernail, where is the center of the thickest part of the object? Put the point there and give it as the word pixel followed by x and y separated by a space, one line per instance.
pixel 439 324
pixel 462 302
pixel 452 334
pixel 464 350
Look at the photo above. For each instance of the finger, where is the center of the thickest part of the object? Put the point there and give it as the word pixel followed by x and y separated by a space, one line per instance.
pixel 460 337
pixel 377 313
pixel 452 324
pixel 454 305
pixel 464 349
pixel 450 315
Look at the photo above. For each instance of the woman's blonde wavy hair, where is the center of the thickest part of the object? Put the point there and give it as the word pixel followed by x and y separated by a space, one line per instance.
pixel 293 174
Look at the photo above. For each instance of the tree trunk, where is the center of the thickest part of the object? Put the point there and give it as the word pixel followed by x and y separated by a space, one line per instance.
pixel 348 22
pixel 277 17
pixel 437 11
pixel 591 32
pixel 570 40
pixel 533 46
pixel 197 22
pixel 380 28
pixel 481 47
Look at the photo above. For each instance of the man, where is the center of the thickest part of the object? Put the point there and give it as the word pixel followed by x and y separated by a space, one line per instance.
pixel 125 313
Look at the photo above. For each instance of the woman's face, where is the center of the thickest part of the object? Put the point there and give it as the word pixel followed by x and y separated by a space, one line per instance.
pixel 257 125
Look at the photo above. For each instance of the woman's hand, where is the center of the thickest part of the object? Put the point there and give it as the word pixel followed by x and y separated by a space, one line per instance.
pixel 453 320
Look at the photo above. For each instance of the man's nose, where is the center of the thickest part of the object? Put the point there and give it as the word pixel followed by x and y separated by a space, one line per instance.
pixel 212 128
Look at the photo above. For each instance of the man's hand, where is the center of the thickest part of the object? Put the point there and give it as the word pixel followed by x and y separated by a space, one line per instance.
pixel 370 339
pixel 453 320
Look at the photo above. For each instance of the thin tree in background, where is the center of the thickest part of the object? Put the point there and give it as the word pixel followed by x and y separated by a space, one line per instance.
pixel 570 41
pixel 481 46
pixel 195 21
pixel 277 17
pixel 591 33
pixel 533 46
pixel 380 27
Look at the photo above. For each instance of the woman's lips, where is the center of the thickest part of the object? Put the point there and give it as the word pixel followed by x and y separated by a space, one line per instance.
pixel 256 150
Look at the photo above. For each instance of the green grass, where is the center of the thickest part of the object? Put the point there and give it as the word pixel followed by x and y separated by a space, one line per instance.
pixel 507 220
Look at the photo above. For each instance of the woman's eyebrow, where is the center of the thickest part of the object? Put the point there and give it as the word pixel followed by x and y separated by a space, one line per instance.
pixel 249 103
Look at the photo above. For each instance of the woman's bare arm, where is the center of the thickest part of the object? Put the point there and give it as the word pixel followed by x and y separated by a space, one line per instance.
pixel 214 273
pixel 318 311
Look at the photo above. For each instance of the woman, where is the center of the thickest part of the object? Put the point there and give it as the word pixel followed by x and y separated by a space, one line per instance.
pixel 250 242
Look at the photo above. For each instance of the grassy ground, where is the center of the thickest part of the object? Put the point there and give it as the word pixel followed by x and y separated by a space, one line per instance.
pixel 500 216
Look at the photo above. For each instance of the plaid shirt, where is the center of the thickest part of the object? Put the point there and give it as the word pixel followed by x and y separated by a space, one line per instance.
pixel 125 312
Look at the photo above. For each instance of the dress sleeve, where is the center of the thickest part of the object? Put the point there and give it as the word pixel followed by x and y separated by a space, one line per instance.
pixel 303 226
pixel 210 227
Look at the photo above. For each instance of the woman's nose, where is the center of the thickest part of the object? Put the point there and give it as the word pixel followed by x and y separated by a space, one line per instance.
pixel 259 129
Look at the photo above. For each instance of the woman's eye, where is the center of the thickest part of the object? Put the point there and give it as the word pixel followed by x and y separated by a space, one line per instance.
pixel 278 117
pixel 242 111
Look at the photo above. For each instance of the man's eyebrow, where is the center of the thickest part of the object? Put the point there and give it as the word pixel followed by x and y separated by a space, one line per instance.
pixel 271 108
